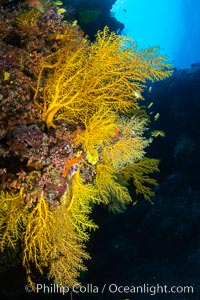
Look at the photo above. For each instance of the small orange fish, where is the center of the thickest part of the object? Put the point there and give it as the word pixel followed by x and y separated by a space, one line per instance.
pixel 81 32
pixel 116 133
pixel 69 163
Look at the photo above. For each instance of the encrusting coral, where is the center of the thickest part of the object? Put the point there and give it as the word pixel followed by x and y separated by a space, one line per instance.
pixel 77 139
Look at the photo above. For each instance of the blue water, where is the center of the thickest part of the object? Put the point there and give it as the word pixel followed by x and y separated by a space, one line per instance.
pixel 174 25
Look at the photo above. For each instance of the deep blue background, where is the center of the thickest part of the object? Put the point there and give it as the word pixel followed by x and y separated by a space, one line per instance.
pixel 174 25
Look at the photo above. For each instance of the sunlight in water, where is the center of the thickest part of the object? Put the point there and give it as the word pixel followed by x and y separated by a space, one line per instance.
pixel 169 24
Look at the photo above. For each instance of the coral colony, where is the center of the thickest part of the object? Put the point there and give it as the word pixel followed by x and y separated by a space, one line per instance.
pixel 71 133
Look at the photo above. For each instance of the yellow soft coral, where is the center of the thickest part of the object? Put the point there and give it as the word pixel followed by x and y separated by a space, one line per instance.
pixel 68 253
pixel 55 239
pixel 107 73
pixel 37 238
pixel 71 231
pixel 109 187
pixel 129 147
pixel 50 239
pixel 98 132
pixel 139 174
pixel 13 215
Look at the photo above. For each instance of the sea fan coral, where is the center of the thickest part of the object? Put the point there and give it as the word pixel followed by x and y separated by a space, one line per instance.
pixel 98 132
pixel 139 174
pixel 13 214
pixel 105 73
pixel 72 230
pixel 37 238
pixel 129 147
